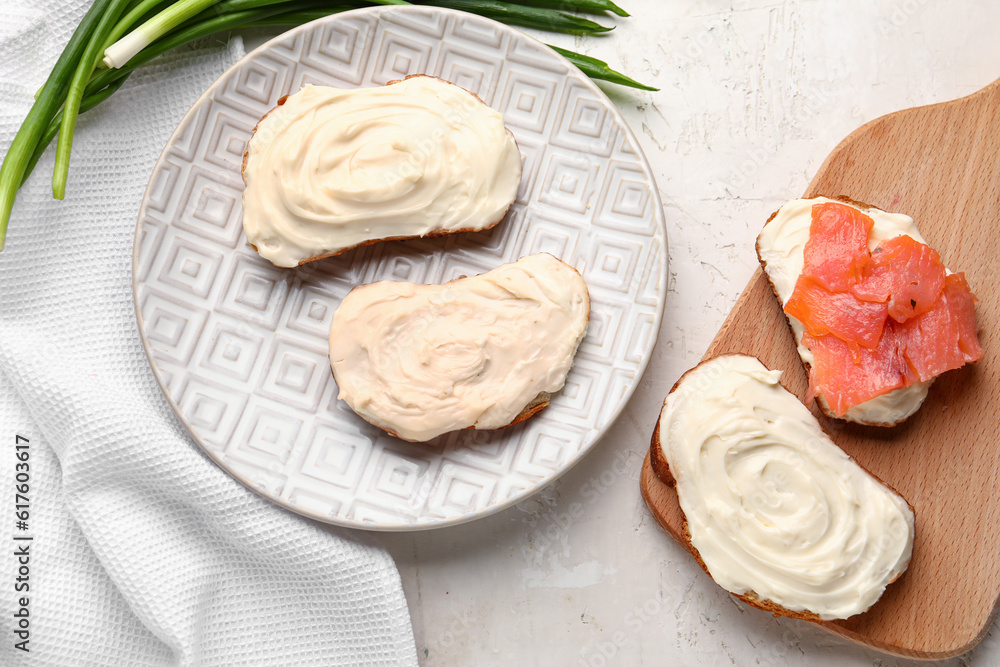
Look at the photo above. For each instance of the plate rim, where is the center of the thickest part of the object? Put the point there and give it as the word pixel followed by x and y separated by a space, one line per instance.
pixel 599 434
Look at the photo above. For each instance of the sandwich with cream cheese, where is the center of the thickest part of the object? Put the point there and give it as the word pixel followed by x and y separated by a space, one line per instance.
pixel 331 169
pixel 774 511
pixel 480 352
pixel 875 314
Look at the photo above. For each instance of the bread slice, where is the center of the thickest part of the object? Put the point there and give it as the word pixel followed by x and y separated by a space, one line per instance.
pixel 661 468
pixel 483 352
pixel 290 226
pixel 748 437
pixel 779 250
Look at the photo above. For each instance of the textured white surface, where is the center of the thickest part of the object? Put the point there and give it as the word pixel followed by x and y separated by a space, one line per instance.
pixel 144 552
pixel 753 97
pixel 240 346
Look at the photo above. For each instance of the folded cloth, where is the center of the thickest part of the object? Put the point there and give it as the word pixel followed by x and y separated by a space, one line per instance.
pixel 142 551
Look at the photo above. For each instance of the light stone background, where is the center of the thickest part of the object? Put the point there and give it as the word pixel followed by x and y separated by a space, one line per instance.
pixel 754 95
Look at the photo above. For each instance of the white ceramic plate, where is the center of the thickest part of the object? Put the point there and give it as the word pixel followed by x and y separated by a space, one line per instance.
pixel 240 347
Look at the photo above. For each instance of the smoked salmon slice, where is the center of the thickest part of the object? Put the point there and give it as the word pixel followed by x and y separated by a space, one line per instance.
pixel 848 377
pixel 837 249
pixel 881 320
pixel 904 274
pixel 944 337
pixel 842 314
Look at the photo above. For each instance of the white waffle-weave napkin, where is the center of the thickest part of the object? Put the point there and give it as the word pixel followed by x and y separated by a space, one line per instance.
pixel 143 551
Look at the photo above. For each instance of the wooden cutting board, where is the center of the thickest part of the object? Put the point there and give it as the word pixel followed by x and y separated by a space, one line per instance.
pixel 941 165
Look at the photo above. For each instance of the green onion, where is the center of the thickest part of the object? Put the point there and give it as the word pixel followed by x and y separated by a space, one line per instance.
pixel 71 107
pixel 598 69
pixel 227 6
pixel 130 19
pixel 46 104
pixel 528 17
pixel 586 6
pixel 119 53
pixel 180 38
pixel 86 104
pixel 297 18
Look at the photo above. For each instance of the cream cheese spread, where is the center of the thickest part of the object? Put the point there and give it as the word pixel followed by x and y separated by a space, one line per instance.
pixel 423 360
pixel 330 169
pixel 781 246
pixel 772 505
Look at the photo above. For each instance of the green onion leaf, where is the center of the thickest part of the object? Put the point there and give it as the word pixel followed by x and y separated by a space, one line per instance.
pixel 229 6
pixel 598 69
pixel 119 53
pixel 87 103
pixel 528 17
pixel 85 67
pixel 178 38
pixel 133 16
pixel 585 6
pixel 297 18
pixel 53 93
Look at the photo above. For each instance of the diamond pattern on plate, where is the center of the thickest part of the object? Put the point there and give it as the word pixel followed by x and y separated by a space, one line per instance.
pixel 612 262
pixel 312 310
pixel 339 49
pixel 464 67
pixel 478 34
pixel 461 490
pixel 232 351
pixel 172 326
pixel 208 205
pixel 336 456
pixel 213 410
pixel 549 234
pixel 549 447
pixel 570 181
pixel 257 89
pixel 226 140
pixel 399 54
pixel 426 27
pixel 296 374
pixel 624 200
pixel 605 331
pixel 240 346
pixel 190 267
pixel 161 188
pixel 255 291
pixel 187 137
pixel 267 438
pixel 397 476
pixel 261 81
pixel 526 100
pixel 477 449
pixel 582 122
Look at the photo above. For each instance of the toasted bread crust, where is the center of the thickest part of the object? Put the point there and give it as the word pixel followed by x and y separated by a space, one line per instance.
pixel 661 468
pixel 821 401
pixel 429 235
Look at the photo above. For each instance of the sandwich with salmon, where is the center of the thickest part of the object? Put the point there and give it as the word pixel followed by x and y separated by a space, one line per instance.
pixel 875 313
